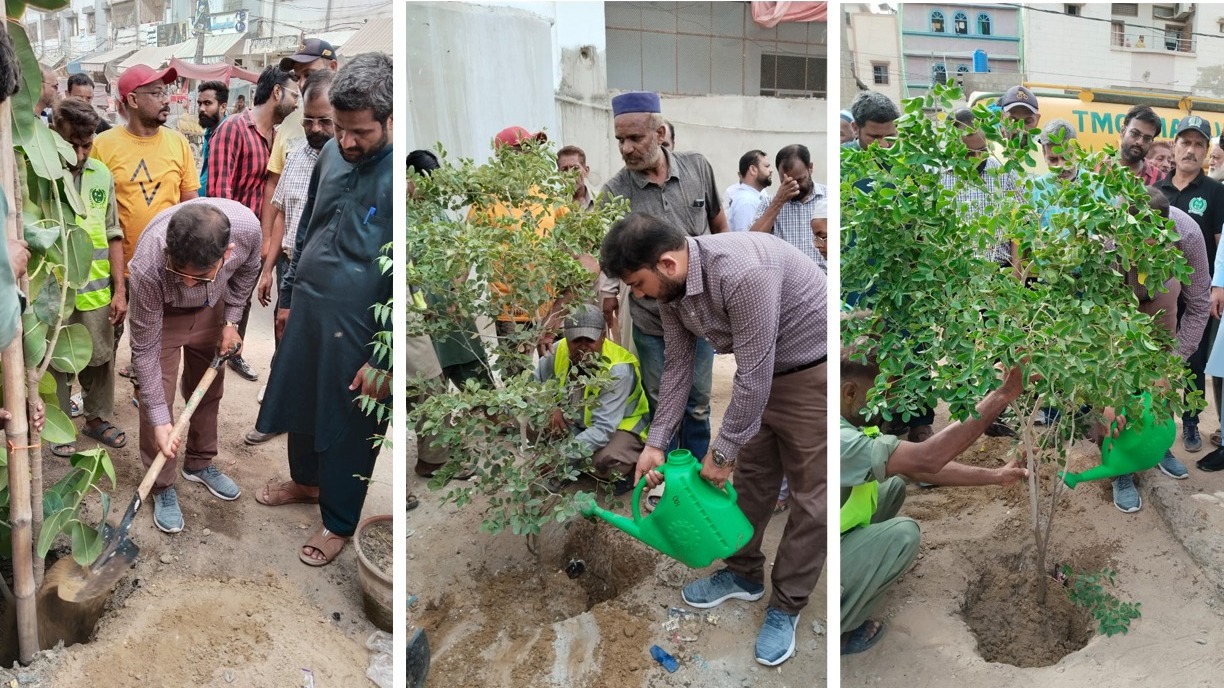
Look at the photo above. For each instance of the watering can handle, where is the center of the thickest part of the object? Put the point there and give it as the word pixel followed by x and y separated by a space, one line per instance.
pixel 637 497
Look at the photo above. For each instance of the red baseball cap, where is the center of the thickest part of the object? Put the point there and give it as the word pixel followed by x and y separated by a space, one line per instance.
pixel 142 75
pixel 514 136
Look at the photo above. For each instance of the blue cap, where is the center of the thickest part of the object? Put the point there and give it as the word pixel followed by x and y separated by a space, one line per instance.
pixel 846 116
pixel 636 101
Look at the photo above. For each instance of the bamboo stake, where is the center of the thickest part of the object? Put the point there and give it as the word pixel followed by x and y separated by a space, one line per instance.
pixel 17 430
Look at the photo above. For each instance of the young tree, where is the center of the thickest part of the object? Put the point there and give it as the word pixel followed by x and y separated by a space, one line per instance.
pixel 487 242
pixel 941 314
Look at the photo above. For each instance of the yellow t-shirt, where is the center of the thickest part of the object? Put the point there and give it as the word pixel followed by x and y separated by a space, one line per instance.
pixel 151 173
pixel 289 131
pixel 543 229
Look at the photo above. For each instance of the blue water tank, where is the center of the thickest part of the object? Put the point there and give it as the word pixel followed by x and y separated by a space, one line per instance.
pixel 980 63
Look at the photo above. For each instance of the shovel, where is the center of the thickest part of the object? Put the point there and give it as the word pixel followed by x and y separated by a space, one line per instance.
pixel 118 552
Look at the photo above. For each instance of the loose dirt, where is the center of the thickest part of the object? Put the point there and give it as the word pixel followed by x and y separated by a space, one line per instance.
pixel 964 613
pixel 376 543
pixel 498 616
pixel 226 601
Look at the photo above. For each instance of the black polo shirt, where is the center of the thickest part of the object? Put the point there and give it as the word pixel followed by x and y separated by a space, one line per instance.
pixel 1203 200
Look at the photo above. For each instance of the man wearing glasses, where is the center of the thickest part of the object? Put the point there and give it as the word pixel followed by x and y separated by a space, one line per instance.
pixel 193 271
pixel 238 158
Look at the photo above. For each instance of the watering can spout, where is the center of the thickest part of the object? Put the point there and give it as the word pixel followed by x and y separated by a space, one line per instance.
pixel 588 507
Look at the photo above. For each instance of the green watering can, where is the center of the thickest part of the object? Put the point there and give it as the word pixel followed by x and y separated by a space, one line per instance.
pixel 695 522
pixel 1138 447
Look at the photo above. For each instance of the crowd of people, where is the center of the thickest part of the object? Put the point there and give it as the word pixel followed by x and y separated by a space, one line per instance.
pixel 744 277
pixel 878 546
pixel 292 196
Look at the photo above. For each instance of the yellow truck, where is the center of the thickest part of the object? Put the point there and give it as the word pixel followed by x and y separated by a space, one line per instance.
pixel 1097 114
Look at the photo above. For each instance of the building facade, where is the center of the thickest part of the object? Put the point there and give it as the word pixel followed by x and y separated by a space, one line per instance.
pixel 940 41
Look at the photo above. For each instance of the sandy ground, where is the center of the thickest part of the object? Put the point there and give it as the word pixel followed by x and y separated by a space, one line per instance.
pixel 496 618
pixel 965 530
pixel 226 601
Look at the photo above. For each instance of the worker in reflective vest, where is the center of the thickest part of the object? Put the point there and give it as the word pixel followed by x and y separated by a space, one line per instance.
pixel 612 430
pixel 102 301
pixel 877 545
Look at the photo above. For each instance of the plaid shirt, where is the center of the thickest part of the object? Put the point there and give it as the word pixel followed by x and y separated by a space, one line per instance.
pixel 238 162
pixel 981 199
pixel 794 222
pixel 153 289
pixel 292 189
pixel 750 294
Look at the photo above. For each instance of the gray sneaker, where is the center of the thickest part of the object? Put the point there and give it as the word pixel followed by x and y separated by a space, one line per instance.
pixel 722 586
pixel 167 515
pixel 776 641
pixel 1126 497
pixel 1173 468
pixel 217 482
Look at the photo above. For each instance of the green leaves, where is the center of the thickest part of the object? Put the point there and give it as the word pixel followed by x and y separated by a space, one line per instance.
pixel 1087 590
pixel 59 428
pixel 62 505
pixel 72 350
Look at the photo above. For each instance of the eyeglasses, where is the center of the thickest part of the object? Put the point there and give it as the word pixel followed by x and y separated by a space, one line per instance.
pixel 321 122
pixel 199 278
pixel 159 94
pixel 1135 133
pixel 293 92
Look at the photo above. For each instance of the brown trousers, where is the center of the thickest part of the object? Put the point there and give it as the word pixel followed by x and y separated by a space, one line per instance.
pixel 619 456
pixel 191 335
pixel 791 442
pixel 1166 302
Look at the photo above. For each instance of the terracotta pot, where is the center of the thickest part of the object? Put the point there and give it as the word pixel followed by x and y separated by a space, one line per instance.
pixel 376 585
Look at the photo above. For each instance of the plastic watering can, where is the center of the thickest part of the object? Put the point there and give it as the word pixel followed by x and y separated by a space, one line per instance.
pixel 694 523
pixel 1138 447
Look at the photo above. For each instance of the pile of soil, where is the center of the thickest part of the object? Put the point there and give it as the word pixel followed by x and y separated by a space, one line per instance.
pixel 376 545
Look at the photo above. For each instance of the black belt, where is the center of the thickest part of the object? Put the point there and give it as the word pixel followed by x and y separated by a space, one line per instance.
pixel 805 366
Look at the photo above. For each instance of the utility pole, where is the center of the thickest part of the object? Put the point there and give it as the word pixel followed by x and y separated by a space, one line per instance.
pixel 139 36
pixel 201 27
pixel 327 17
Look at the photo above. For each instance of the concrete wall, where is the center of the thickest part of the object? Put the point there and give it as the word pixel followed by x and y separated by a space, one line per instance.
pixel 474 70
pixel 874 38
pixel 1056 40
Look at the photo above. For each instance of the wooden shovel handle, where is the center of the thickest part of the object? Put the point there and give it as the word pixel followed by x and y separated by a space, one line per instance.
pixel 159 461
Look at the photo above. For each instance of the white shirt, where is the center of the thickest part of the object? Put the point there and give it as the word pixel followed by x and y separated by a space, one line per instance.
pixel 742 202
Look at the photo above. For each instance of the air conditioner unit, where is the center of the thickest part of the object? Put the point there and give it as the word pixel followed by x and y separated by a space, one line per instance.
pixel 1163 11
pixel 1183 11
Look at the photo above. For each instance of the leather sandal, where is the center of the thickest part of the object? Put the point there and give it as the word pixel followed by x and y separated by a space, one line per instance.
pixel 105 433
pixel 324 542
pixel 277 493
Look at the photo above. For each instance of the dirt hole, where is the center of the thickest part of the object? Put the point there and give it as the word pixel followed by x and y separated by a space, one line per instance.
pixel 1011 627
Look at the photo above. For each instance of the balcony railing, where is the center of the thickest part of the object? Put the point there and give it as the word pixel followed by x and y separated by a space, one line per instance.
pixel 1154 41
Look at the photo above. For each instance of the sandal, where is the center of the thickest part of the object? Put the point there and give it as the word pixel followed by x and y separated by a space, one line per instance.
pixel 782 505
pixel 413 502
pixel 64 451
pixel 105 433
pixel 288 492
pixel 126 371
pixel 324 542
pixel 862 638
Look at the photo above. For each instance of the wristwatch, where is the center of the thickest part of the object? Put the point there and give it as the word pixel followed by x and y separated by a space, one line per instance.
pixel 722 460
pixel 230 324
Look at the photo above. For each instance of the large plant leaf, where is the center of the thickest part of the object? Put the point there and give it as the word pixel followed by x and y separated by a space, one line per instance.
pixel 78 258
pixel 86 544
pixel 59 428
pixel 33 340
pixel 53 525
pixel 14 8
pixel 72 349
pixel 47 385
pixel 47 306
pixel 41 235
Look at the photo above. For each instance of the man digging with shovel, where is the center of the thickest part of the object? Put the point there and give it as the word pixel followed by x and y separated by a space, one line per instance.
pixel 192 270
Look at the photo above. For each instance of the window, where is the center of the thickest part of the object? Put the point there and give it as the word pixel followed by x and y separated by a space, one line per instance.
pixel 983 21
pixel 939 73
pixel 1125 9
pixel 794 76
pixel 937 22
pixel 879 73
pixel 960 23
pixel 1072 10
pixel 1177 39
pixel 962 69
pixel 1117 34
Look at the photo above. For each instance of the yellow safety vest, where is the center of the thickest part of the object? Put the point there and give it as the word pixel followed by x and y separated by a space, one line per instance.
pixel 860 507
pixel 95 192
pixel 611 354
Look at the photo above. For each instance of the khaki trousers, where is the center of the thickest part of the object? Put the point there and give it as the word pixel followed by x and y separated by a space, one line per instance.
pixel 874 556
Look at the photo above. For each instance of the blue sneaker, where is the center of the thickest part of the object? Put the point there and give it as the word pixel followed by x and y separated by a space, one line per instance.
pixel 776 642
pixel 722 586
pixel 1173 468
pixel 167 515
pixel 217 482
pixel 1126 497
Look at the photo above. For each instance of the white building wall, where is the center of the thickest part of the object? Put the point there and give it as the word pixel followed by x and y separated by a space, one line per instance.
pixel 874 38
pixel 1062 49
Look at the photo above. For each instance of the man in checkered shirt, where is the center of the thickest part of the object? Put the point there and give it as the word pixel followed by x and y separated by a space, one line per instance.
pixel 763 300
pixel 979 196
pixel 799 201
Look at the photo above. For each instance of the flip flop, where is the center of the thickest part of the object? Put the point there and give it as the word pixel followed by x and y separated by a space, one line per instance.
pixel 412 503
pixel 62 452
pixel 126 371
pixel 276 493
pixel 102 432
pixel 325 542
pixel 859 640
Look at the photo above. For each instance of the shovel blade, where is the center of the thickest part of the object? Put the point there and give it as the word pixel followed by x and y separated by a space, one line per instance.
pixel 100 579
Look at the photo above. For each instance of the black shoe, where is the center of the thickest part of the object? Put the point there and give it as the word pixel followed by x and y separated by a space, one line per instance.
pixel 239 365
pixel 997 429
pixel 1212 462
pixel 1190 437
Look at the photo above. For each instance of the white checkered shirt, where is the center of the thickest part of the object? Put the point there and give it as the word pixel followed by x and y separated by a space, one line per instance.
pixel 291 190
pixel 979 199
pixel 794 223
